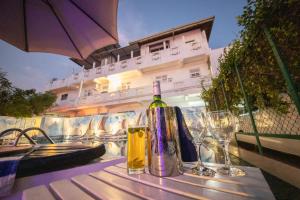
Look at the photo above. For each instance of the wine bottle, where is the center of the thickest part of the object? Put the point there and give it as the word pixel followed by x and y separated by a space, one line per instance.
pixel 157 102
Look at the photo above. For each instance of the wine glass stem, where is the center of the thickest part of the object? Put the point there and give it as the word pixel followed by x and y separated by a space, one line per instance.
pixel 226 154
pixel 199 163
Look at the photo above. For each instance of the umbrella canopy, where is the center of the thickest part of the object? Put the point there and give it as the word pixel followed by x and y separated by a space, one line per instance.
pixel 73 28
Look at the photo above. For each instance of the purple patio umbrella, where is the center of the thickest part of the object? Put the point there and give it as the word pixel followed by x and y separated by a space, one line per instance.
pixel 73 28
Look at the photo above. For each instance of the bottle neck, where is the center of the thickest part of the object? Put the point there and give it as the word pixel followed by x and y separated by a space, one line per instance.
pixel 156 88
pixel 156 97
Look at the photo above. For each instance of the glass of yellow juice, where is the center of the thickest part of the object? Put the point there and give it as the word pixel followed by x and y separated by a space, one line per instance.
pixel 136 149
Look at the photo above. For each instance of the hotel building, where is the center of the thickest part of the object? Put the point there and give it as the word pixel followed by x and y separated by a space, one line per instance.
pixel 119 79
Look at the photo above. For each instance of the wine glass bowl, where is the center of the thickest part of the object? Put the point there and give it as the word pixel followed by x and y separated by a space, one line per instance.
pixel 198 132
pixel 222 125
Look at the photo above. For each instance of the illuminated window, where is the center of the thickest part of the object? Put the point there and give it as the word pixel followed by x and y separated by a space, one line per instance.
pixel 102 88
pixel 125 86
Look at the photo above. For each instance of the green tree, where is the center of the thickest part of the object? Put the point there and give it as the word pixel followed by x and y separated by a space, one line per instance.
pixel 22 103
pixel 253 56
pixel 41 102
pixel 18 105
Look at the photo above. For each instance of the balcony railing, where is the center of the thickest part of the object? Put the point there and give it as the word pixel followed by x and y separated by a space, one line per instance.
pixel 140 62
pixel 140 92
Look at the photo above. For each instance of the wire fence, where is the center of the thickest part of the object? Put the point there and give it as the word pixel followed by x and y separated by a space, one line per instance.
pixel 271 123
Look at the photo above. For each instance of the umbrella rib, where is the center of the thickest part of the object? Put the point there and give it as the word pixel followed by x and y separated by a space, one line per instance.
pixel 25 26
pixel 66 31
pixel 93 20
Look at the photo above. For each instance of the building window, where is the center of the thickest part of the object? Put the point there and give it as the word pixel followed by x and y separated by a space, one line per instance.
pixel 194 73
pixel 167 44
pixel 64 97
pixel 88 93
pixel 162 78
pixel 159 46
pixel 125 86
pixel 102 88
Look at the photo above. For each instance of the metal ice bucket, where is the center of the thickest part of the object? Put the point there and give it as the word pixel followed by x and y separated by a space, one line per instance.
pixel 164 156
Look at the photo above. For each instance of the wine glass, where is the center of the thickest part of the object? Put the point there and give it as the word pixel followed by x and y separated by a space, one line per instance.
pixel 222 125
pixel 199 131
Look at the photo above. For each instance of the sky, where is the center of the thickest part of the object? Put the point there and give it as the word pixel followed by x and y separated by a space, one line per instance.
pixel 136 19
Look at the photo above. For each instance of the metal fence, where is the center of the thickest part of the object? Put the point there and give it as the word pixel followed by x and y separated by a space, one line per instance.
pixel 273 124
pixel 267 122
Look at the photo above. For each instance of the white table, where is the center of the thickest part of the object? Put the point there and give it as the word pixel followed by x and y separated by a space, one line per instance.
pixel 113 182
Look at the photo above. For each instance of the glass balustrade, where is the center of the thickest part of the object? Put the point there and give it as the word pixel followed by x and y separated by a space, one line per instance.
pixel 175 87
pixel 139 62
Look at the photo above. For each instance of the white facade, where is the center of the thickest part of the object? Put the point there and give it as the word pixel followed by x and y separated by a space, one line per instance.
pixel 214 60
pixel 181 62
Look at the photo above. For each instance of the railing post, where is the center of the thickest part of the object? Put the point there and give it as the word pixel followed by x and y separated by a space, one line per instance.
pixel 215 101
pixel 79 92
pixel 249 109
pixel 225 97
pixel 236 140
pixel 205 104
pixel 284 70
pixel 131 54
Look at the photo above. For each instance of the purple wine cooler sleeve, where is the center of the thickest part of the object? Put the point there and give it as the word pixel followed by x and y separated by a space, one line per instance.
pixel 188 149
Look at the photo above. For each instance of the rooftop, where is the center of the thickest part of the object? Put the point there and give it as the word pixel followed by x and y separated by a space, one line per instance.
pixel 203 24
pixel 114 50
